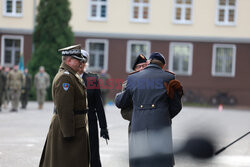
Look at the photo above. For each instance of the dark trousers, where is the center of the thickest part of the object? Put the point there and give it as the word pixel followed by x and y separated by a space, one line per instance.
pixel 24 99
pixel 94 143
pixel 1 99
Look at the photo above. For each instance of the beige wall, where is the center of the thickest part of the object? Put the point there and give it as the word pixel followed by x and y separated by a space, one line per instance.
pixel 23 22
pixel 161 16
pixel 161 19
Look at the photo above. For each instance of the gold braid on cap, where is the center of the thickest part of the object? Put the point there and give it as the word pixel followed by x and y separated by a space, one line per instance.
pixel 143 57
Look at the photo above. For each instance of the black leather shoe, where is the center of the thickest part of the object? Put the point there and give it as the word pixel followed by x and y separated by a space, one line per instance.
pixel 13 110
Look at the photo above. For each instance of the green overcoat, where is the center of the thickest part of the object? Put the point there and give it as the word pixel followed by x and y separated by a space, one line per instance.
pixel 67 143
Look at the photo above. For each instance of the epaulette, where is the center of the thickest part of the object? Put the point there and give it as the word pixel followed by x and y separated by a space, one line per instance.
pixel 79 77
pixel 91 74
pixel 170 72
pixel 133 72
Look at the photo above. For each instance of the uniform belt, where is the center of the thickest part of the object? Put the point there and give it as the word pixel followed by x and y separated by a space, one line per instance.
pixel 76 112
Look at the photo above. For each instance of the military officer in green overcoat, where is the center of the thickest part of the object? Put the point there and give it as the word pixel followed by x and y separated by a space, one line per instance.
pixel 67 142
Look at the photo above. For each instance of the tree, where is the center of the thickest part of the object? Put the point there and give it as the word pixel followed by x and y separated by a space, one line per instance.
pixel 52 31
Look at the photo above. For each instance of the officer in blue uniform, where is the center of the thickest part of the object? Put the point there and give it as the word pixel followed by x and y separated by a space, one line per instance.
pixel 151 134
pixel 95 112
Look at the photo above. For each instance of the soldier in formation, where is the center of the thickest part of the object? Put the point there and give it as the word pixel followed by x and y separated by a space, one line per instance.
pixel 2 86
pixel 15 82
pixel 104 77
pixel 42 82
pixel 26 88
pixel 6 93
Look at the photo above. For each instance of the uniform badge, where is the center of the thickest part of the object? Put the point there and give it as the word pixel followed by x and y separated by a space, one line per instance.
pixel 65 86
pixel 66 72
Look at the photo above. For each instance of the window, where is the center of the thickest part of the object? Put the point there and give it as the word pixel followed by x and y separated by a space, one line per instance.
pixel 134 48
pixel 13 8
pixel 226 12
pixel 140 10
pixel 183 11
pixel 224 59
pixel 98 10
pixel 12 48
pixel 98 54
pixel 181 58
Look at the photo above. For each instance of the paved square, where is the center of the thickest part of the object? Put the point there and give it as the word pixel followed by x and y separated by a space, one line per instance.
pixel 22 136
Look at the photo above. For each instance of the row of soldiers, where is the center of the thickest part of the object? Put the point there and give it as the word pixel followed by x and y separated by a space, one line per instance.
pixel 15 85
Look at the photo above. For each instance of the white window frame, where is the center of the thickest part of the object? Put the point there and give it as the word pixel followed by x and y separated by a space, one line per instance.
pixel 98 4
pixel 140 18
pixel 221 74
pixel 128 57
pixel 21 38
pixel 13 14
pixel 226 8
pixel 183 7
pixel 106 46
pixel 171 58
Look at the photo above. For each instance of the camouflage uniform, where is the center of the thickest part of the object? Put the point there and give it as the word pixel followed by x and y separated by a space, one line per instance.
pixel 42 82
pixel 15 81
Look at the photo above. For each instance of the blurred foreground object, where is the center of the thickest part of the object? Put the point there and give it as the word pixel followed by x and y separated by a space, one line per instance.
pixel 198 147
pixel 222 149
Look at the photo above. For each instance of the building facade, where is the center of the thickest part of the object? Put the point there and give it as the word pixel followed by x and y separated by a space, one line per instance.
pixel 206 43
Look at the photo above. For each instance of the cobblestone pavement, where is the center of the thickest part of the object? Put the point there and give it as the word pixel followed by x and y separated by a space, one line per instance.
pixel 22 136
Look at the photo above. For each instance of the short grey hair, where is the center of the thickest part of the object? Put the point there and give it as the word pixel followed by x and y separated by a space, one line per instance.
pixel 157 62
pixel 64 58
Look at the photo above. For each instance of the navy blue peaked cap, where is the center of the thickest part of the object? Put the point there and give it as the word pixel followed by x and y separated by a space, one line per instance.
pixel 157 56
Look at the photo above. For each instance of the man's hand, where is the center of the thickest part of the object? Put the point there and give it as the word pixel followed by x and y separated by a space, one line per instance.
pixel 105 133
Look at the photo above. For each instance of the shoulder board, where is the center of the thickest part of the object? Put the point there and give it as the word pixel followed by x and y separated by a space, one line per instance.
pixel 92 74
pixel 170 72
pixel 66 72
pixel 78 77
pixel 133 72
